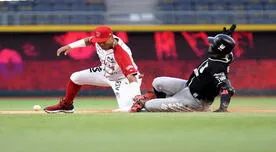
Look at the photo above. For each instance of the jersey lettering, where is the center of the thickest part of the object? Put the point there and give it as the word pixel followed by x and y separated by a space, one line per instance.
pixel 221 47
pixel 96 69
pixel 220 76
pixel 116 63
pixel 117 85
pixel 109 63
pixel 200 69
pixel 206 80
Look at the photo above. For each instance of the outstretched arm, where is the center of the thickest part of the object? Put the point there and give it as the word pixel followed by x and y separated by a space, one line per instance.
pixel 80 43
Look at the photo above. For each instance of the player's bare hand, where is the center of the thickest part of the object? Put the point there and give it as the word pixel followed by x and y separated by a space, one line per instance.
pixel 65 49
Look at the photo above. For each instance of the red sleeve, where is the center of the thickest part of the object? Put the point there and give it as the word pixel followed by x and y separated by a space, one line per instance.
pixel 124 60
pixel 90 40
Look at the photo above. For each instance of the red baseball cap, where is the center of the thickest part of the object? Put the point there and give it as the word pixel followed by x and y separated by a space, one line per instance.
pixel 102 34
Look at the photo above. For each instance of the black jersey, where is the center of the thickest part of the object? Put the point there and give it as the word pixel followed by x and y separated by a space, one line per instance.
pixel 206 80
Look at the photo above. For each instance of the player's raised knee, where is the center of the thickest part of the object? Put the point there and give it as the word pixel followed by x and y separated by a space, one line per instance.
pixel 157 83
pixel 75 77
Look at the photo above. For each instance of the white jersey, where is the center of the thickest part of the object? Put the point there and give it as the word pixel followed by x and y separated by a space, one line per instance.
pixel 117 63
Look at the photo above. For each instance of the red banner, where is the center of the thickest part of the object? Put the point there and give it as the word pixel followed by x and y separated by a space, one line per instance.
pixel 28 61
pixel 53 75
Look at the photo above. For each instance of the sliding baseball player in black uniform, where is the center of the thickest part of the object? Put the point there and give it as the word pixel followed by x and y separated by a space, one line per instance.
pixel 207 81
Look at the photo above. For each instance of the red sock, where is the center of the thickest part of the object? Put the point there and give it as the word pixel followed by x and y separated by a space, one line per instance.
pixel 71 92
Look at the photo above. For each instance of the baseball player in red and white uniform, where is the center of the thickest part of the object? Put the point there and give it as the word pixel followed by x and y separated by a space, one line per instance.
pixel 117 70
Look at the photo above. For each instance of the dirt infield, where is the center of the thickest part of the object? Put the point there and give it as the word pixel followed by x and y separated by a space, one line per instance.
pixel 42 112
pixel 254 110
pixel 110 111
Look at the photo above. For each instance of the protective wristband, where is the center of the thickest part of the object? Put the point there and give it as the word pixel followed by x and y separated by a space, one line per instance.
pixel 79 43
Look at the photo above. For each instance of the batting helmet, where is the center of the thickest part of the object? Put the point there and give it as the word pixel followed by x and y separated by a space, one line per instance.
pixel 221 44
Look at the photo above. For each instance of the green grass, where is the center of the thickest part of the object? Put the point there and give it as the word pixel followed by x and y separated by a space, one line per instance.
pixel 110 103
pixel 80 103
pixel 138 132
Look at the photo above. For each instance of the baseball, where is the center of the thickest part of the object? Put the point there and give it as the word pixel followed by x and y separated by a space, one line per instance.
pixel 36 107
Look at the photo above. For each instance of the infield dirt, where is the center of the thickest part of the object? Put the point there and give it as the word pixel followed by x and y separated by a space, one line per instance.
pixel 110 111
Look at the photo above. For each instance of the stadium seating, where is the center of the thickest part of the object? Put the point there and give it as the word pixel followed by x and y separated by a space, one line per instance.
pixel 219 5
pixel 7 6
pixel 240 18
pixel 24 6
pixel 237 5
pixel 164 12
pixel 255 6
pixel 202 5
pixel 61 19
pixel 222 19
pixel 233 10
pixel 271 19
pixel 43 19
pixel 60 6
pixel 270 6
pixel 42 5
pixel 78 19
pixel 183 6
pixel 186 19
pixel 26 19
pixel 52 5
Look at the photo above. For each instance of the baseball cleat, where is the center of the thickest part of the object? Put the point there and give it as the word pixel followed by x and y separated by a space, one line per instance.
pixel 60 107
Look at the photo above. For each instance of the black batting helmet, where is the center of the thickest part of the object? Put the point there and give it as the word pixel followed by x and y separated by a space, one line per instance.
pixel 221 44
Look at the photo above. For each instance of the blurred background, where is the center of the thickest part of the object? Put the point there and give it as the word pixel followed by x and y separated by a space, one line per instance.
pixel 167 38
pixel 40 12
